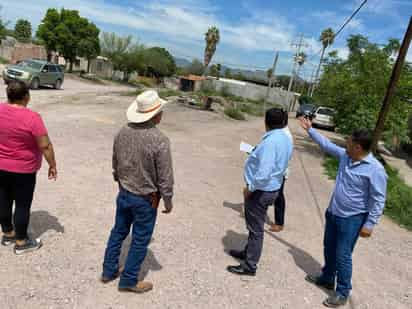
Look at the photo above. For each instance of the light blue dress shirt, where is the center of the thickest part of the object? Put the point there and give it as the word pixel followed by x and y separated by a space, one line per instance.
pixel 360 186
pixel 267 164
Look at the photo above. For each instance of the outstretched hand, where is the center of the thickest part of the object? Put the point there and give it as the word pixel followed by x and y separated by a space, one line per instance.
pixel 305 123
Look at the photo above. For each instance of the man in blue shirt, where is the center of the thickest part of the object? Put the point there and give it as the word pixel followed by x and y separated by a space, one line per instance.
pixel 264 172
pixel 355 208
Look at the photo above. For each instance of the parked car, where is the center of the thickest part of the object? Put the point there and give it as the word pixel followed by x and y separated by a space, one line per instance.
pixel 305 110
pixel 35 73
pixel 323 117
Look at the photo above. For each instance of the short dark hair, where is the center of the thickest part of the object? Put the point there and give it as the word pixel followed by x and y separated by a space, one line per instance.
pixel 276 118
pixel 17 91
pixel 363 137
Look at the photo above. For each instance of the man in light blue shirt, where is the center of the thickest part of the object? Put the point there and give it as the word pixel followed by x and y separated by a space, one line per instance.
pixel 264 172
pixel 355 208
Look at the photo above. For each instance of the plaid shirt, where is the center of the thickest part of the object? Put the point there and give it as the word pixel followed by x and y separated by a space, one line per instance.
pixel 142 160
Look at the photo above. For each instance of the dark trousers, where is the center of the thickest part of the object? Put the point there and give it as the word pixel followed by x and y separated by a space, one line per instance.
pixel 340 239
pixel 255 214
pixel 136 211
pixel 18 189
pixel 280 205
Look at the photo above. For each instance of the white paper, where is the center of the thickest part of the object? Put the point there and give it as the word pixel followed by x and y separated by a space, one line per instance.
pixel 245 147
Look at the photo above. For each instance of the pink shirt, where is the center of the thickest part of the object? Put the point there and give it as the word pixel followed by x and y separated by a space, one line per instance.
pixel 19 128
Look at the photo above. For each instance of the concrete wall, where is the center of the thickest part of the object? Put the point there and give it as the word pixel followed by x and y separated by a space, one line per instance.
pixel 19 51
pixel 252 91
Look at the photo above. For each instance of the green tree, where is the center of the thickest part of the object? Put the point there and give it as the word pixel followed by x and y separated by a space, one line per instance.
pixel 46 31
pixel 159 62
pixel 69 34
pixel 219 70
pixel 228 73
pixel 356 87
pixel 89 45
pixel 23 31
pixel 212 38
pixel 213 70
pixel 115 48
pixel 327 38
pixel 196 67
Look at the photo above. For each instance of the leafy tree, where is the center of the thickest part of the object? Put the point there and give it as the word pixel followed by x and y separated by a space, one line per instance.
pixel 89 45
pixel 228 73
pixel 23 31
pixel 212 38
pixel 213 70
pixel 327 38
pixel 115 48
pixel 356 87
pixel 196 67
pixel 69 34
pixel 159 62
pixel 219 70
pixel 46 31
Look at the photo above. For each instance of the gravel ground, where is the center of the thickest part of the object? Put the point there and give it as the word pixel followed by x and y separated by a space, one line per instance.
pixel 187 259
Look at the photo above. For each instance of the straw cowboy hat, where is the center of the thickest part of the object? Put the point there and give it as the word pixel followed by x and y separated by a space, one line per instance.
pixel 147 105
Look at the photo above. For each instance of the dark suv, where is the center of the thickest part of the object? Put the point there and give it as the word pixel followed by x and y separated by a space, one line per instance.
pixel 35 73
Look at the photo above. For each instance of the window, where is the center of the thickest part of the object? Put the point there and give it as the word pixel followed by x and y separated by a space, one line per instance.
pixel 45 69
pixel 326 111
pixel 52 69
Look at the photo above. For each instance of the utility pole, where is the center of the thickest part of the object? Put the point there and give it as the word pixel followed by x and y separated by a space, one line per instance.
pixel 270 83
pixel 298 46
pixel 311 82
pixel 390 91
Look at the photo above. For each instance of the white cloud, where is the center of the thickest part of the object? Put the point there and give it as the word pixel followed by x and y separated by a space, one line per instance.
pixel 180 21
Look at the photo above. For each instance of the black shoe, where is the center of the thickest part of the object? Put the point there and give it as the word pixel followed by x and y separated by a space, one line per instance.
pixel 29 246
pixel 7 240
pixel 240 255
pixel 320 283
pixel 335 301
pixel 241 270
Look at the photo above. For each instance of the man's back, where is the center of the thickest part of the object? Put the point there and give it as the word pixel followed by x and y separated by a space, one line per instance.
pixel 142 160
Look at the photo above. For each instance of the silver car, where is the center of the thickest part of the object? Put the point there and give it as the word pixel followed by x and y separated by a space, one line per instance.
pixel 323 117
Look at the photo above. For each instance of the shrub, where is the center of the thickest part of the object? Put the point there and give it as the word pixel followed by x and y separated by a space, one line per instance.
pixel 169 93
pixel 234 113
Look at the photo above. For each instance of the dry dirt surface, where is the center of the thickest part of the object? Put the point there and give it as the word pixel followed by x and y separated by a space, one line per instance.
pixel 187 257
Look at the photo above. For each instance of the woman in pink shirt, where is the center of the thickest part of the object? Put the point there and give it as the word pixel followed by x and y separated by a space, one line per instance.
pixel 23 141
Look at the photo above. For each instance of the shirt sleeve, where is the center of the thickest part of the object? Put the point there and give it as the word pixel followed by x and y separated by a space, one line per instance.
pixel 164 168
pixel 377 197
pixel 37 126
pixel 326 145
pixel 262 176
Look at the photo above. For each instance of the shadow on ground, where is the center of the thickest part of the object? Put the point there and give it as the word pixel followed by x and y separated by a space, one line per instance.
pixel 149 264
pixel 234 241
pixel 42 221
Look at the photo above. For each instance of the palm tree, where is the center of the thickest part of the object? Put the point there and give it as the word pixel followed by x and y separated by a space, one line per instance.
pixel 212 38
pixel 327 37
pixel 393 47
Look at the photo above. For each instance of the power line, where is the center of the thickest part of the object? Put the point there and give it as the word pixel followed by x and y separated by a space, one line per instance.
pixel 348 20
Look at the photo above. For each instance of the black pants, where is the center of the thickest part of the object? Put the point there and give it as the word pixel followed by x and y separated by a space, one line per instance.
pixel 17 188
pixel 256 207
pixel 280 205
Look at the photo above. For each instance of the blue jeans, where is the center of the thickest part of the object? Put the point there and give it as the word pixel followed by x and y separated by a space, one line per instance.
pixel 340 239
pixel 131 210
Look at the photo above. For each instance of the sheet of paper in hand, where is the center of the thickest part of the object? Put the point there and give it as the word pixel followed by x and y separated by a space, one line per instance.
pixel 244 147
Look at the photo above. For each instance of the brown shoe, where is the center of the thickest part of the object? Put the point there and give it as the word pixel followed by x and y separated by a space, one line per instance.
pixel 105 280
pixel 141 287
pixel 276 228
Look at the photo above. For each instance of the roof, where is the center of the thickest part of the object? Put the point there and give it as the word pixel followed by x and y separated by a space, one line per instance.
pixel 193 77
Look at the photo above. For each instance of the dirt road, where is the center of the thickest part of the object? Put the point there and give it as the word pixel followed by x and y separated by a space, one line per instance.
pixel 187 258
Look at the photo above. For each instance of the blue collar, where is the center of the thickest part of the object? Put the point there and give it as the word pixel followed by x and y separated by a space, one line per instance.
pixel 269 133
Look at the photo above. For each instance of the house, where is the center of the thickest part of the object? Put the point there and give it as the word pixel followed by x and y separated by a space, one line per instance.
pixel 191 82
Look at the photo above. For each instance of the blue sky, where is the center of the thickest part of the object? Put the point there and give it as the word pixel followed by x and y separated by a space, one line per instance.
pixel 250 30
